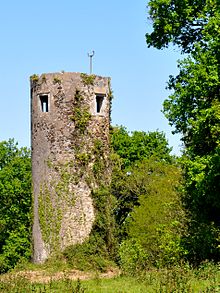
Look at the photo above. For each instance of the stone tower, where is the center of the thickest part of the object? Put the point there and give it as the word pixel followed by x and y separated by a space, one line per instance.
pixel 70 116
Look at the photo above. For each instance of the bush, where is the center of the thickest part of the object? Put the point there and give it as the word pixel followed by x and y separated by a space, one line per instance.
pixel 158 221
pixel 16 248
pixel 133 257
pixel 89 255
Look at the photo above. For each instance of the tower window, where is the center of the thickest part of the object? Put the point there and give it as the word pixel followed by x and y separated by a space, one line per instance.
pixel 99 102
pixel 44 103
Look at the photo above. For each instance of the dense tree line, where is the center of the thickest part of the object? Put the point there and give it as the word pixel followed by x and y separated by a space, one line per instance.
pixel 148 212
pixel 193 109
pixel 159 210
pixel 142 220
pixel 140 162
pixel 15 204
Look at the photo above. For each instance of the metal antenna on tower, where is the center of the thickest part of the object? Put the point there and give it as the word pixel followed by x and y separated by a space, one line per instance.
pixel 90 55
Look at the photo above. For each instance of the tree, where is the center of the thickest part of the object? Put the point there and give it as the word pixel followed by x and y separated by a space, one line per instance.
pixel 157 223
pixel 193 109
pixel 129 180
pixel 184 23
pixel 137 145
pixel 15 204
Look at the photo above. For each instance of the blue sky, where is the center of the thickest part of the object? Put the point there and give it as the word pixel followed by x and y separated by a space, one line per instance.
pixel 50 36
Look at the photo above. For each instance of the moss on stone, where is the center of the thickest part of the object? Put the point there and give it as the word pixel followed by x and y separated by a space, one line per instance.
pixel 87 79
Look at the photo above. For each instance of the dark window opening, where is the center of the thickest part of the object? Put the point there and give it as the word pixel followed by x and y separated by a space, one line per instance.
pixel 99 102
pixel 44 103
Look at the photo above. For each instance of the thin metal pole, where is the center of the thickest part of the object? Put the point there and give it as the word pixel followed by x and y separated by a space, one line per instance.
pixel 90 55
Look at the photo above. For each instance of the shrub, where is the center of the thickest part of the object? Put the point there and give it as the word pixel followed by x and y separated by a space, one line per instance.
pixel 133 257
pixel 89 255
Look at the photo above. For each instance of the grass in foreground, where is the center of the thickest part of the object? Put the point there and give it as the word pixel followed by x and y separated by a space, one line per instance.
pixel 115 285
pixel 177 279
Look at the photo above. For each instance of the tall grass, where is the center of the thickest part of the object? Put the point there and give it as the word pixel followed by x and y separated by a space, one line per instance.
pixel 205 279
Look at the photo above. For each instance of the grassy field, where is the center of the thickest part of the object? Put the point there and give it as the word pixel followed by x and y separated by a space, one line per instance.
pixel 204 279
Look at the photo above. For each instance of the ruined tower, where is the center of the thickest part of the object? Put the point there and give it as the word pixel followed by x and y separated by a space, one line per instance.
pixel 70 156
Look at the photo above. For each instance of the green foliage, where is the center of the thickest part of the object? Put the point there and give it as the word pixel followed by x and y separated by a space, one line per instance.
pixel 53 196
pixel 176 279
pixel 158 220
pixel 93 165
pixel 22 284
pixel 98 251
pixel 202 241
pixel 15 207
pixel 50 215
pixel 193 109
pixel 183 23
pixel 99 165
pixel 88 256
pixel 142 168
pixel 43 78
pixel 34 78
pixel 84 158
pixel 81 118
pixel 202 202
pixel 104 225
pixel 133 257
pixel 80 113
pixel 110 96
pixel 98 147
pixel 171 249
pixel 148 209
pixel 16 248
pixel 139 145
pixel 56 80
pixel 87 79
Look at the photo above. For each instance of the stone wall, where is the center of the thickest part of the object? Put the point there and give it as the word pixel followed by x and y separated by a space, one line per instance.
pixel 70 150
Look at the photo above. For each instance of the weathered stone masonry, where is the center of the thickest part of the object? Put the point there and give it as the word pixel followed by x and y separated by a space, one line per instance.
pixel 70 150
